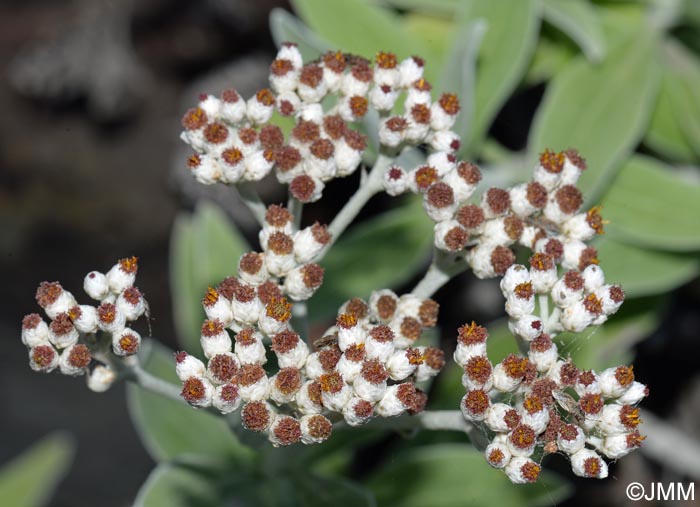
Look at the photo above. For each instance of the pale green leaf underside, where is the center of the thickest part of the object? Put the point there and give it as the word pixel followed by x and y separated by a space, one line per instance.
pixel 600 109
pixel 650 205
pixel 579 20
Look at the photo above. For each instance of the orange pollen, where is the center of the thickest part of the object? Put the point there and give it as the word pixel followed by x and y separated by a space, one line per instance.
pixel 630 417
pixel 426 176
pixel 532 404
pixel 211 297
pixel 593 304
pixel 449 103
pixel 358 105
pixel 129 265
pixel 331 382
pixel 265 97
pixel 592 467
pixel 552 161
pixel 595 221
pixel 193 161
pixel 386 60
pixel 232 156
pixel 279 309
pixel 524 290
pixel 496 456
pixel 624 375
pixel 346 320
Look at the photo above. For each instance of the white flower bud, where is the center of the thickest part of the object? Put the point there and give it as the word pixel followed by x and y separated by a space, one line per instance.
pixel 347 157
pixel 521 301
pixel 285 430
pixel 249 347
pixel 463 179
pixel 309 242
pixel 403 363
pixel 572 253
pixel 284 385
pixel 62 332
pixel 521 470
pixel 617 446
pixel 308 399
pixel 214 338
pixel 226 398
pixel 636 393
pixel 537 417
pixel 283 76
pixel 383 304
pixel 442 161
pixel 616 419
pixel 475 405
pixel 439 202
pixel 393 403
pixel 95 285
pixel 198 392
pixel 358 411
pixel 74 360
pixel 379 343
pixel 521 440
pixel 290 51
pixel 122 275
pixel 206 169
pixel 578 227
pixel 253 384
pixel 335 393
pixel 43 358
pixel 445 141
pixel 571 438
pixel 34 330
pixel 543 353
pixel 222 368
pixel 260 107
pixel 315 429
pixel 302 282
pixel 527 327
pixel 502 381
pixel 101 378
pixel 131 303
pixel 217 307
pixel 443 113
pixel 350 332
pixel 497 455
pixel 497 417
pixel 395 181
pixel 543 273
pixel 576 318
pixel 287 103
pixel 614 382
pixel 233 107
pixel 383 97
pixel 187 366
pixel 514 276
pixel 587 382
pixel 370 384
pixel 410 71
pixel 392 131
pixel 352 86
pixel 593 277
pixel 450 236
pixel 211 106
pixel 350 363
pixel 126 342
pixel 290 350
pixel 587 463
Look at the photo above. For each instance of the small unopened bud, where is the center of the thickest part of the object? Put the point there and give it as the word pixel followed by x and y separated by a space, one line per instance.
pixel 95 285
pixel 101 378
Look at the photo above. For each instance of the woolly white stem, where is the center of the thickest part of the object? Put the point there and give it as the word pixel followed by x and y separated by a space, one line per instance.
pixel 543 300
pixel 248 194
pixel 154 384
pixel 369 186
pixel 296 208
pixel 443 268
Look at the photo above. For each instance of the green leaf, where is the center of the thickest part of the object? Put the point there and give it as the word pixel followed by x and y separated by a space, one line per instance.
pixel 600 109
pixel 579 20
pixel 287 28
pixel 664 135
pixel 204 249
pixel 384 251
pixel 444 8
pixel 30 478
pixel 433 35
pixel 549 59
pixel 651 205
pixel 176 486
pixel 170 429
pixel 357 26
pixel 504 54
pixel 457 476
pixel 641 271
pixel 459 73
pixel 316 491
pixel 683 72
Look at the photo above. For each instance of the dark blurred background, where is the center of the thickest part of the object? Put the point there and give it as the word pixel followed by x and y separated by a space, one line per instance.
pixel 90 171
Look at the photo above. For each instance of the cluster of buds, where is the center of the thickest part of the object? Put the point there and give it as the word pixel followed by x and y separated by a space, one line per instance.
pixel 540 404
pixel 541 215
pixel 85 339
pixel 581 298
pixel 364 366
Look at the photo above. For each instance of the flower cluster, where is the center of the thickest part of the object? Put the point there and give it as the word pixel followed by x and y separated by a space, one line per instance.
pixel 581 298
pixel 79 338
pixel 364 366
pixel 541 404
pixel 541 215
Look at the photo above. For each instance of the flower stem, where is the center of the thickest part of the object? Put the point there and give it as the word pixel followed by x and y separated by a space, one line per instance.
pixel 443 268
pixel 369 186
pixel 296 208
pixel 248 194
pixel 153 384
